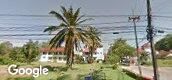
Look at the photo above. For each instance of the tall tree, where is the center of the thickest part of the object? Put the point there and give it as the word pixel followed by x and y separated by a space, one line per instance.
pixel 94 40
pixel 121 49
pixel 5 48
pixel 70 32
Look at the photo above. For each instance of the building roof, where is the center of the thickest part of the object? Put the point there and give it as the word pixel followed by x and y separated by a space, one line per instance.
pixel 85 50
pixel 59 49
pixel 146 45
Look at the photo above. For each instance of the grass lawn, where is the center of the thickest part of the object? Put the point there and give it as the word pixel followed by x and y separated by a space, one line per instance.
pixel 79 72
pixel 164 62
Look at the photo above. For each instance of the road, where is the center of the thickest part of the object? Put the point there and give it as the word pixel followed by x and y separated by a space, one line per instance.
pixel 165 72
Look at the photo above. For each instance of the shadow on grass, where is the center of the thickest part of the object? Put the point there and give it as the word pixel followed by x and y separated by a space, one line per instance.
pixel 64 77
pixel 21 78
pixel 58 68
pixel 80 77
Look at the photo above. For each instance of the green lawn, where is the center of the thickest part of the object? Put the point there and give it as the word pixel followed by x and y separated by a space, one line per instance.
pixel 79 72
pixel 164 62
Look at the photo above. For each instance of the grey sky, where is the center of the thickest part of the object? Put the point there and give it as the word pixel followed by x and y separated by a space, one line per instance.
pixel 88 7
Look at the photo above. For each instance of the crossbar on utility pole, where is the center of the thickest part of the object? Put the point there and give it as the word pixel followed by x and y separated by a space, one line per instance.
pixel 151 39
pixel 134 19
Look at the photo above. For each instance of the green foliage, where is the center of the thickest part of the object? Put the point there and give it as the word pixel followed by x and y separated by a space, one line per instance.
pixel 94 41
pixel 113 58
pixel 5 48
pixel 122 49
pixel 30 51
pixel 17 55
pixel 144 58
pixel 21 78
pixel 119 50
pixel 164 43
pixel 5 61
pixel 69 33
pixel 98 75
pixel 164 63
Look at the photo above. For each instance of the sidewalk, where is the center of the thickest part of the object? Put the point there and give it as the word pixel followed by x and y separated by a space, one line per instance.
pixel 148 74
pixel 165 72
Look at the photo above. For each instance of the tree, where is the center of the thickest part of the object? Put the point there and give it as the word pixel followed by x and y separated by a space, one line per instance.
pixel 165 43
pixel 94 40
pixel 121 49
pixel 70 32
pixel 30 51
pixel 5 48
pixel 17 55
pixel 144 58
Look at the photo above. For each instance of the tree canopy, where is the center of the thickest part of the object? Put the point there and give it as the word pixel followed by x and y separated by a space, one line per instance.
pixel 118 50
pixel 165 43
pixel 69 31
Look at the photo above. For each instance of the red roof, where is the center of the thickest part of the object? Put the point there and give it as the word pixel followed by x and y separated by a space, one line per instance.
pixel 59 49
pixel 85 50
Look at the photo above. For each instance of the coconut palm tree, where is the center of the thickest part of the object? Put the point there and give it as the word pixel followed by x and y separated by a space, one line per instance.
pixel 70 32
pixel 94 42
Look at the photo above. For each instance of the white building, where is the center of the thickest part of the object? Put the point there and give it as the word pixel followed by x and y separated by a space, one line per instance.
pixel 98 54
pixel 51 55
pixel 57 54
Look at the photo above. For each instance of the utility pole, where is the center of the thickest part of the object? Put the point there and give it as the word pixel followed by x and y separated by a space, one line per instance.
pixel 150 31
pixel 134 19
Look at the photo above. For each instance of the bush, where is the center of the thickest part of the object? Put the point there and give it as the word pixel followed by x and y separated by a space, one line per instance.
pixel 115 66
pixel 5 61
pixel 113 59
pixel 98 75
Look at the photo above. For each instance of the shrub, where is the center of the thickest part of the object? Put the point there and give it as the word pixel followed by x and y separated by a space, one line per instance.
pixel 115 66
pixel 98 75
pixel 5 61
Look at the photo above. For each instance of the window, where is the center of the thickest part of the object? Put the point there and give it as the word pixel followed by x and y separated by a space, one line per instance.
pixel 64 58
pixel 44 53
pixel 60 53
pixel 50 53
pixel 56 53
pixel 60 58
pixel 54 57
pixel 50 58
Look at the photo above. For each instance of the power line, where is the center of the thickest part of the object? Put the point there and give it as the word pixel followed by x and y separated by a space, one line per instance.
pixel 27 15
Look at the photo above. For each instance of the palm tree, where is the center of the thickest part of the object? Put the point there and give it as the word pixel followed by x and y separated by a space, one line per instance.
pixel 94 41
pixel 70 32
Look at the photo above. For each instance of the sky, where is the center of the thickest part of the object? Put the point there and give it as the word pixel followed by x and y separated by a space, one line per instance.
pixel 36 25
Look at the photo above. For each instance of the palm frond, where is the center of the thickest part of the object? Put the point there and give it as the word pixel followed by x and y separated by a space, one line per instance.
pixel 58 38
pixel 51 28
pixel 82 21
pixel 76 14
pixel 59 16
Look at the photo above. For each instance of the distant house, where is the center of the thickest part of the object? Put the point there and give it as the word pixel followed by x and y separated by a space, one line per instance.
pixel 146 48
pixel 97 55
pixel 57 54
pixel 51 55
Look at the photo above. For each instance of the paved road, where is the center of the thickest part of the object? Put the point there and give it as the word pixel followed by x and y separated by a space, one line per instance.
pixel 165 72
